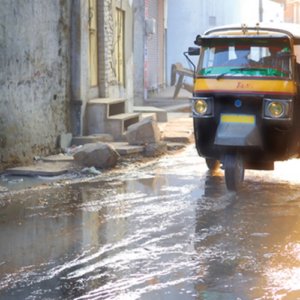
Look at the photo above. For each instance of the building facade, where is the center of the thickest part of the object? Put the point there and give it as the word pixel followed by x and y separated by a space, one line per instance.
pixel 102 55
pixel 55 57
pixel 292 11
pixel 150 44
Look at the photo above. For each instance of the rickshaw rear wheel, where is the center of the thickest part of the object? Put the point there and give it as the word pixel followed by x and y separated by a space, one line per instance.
pixel 212 164
pixel 234 171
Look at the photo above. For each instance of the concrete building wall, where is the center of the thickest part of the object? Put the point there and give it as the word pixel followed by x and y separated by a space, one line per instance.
pixel 44 79
pixel 292 11
pixel 155 45
pixel 139 50
pixel 161 44
pixel 273 11
pixel 34 77
pixel 108 86
pixel 151 14
pixel 149 47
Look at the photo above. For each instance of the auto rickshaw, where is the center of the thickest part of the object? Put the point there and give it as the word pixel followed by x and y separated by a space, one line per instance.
pixel 246 102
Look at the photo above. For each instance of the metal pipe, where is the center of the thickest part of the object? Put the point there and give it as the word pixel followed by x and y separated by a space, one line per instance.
pixel 260 10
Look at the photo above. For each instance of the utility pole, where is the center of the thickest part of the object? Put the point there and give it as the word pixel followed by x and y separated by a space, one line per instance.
pixel 260 10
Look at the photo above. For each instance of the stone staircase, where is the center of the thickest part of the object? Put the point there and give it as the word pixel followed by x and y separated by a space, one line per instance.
pixel 109 116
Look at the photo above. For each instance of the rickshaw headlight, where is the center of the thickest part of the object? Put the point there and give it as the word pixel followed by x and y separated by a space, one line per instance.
pixel 277 108
pixel 202 107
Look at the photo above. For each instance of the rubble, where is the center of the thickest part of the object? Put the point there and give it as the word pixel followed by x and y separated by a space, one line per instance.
pixel 143 133
pixel 98 155
pixel 150 139
pixel 155 149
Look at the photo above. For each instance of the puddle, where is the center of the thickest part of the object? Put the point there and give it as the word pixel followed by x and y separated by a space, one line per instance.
pixel 169 230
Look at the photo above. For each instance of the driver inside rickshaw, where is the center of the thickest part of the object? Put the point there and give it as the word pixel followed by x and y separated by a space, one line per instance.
pixel 278 58
pixel 271 59
pixel 242 53
pixel 253 57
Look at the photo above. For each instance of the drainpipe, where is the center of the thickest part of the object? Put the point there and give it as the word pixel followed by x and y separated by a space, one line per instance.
pixel 260 10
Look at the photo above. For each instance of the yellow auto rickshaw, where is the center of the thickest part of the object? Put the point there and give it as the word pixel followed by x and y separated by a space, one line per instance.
pixel 246 100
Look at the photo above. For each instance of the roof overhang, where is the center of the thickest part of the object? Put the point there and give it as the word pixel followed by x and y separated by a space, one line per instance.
pixel 279 30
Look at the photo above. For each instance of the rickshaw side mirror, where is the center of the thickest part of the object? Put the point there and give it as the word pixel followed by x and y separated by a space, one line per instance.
pixel 198 40
pixel 194 51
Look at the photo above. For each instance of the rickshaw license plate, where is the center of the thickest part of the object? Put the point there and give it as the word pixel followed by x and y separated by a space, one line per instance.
pixel 234 118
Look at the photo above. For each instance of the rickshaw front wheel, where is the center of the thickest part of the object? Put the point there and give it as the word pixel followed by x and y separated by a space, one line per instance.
pixel 212 164
pixel 234 171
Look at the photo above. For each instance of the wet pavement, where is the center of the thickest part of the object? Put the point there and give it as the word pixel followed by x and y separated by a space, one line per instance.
pixel 168 229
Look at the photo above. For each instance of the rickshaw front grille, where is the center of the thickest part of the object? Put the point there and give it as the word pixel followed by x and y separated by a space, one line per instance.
pixel 248 105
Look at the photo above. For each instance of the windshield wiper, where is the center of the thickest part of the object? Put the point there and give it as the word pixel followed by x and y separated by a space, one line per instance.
pixel 225 73
pixel 237 69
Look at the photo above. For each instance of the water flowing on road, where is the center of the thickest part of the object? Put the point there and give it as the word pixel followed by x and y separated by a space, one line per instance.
pixel 167 229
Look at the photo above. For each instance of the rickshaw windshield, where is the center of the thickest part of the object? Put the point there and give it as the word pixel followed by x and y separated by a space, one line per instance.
pixel 257 57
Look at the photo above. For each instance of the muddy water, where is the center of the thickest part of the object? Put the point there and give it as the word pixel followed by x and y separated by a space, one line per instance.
pixel 166 230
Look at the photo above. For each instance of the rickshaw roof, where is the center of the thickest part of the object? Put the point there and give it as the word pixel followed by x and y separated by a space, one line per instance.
pixel 256 30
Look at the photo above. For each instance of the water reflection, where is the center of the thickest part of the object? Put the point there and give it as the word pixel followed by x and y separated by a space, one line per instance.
pixel 45 235
pixel 169 231
pixel 248 248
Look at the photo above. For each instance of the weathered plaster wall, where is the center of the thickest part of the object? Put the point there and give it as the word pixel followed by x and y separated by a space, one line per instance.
pixel 34 77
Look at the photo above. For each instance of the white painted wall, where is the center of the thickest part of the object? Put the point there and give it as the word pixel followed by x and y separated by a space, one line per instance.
pixel 188 18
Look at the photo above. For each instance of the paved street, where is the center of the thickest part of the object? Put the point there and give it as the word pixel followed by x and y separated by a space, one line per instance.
pixel 166 229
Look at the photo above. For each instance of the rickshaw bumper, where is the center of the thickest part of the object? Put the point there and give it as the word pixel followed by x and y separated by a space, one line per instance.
pixel 238 135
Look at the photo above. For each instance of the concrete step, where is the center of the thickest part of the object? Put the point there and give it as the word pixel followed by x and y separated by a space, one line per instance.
pixel 109 116
pixel 99 110
pixel 148 116
pixel 123 148
pixel 94 138
pixel 161 114
pixel 108 106
pixel 115 125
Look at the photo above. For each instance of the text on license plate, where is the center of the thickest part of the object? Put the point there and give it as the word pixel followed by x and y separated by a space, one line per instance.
pixel 234 118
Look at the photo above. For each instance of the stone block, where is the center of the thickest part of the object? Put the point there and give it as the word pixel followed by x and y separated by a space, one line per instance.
pixel 98 155
pixel 143 132
pixel 155 149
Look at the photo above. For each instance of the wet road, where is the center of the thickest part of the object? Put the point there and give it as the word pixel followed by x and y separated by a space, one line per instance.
pixel 167 230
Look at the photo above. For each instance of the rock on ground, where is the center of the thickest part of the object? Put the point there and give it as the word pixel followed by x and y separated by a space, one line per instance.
pixel 155 149
pixel 143 132
pixel 98 155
